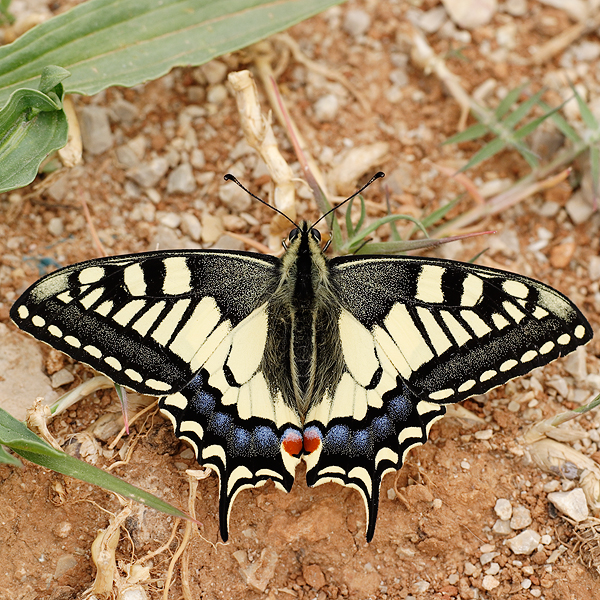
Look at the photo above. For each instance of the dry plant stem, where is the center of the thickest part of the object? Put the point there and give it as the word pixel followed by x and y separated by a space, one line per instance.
pixel 263 57
pixel 88 218
pixel 564 39
pixel 259 134
pixel 185 561
pixel 99 382
pixel 252 243
pixel 161 549
pixel 178 552
pixel 127 456
pixel 465 181
pixel 501 202
pixel 423 56
pixel 37 421
pixel 300 57
pixel 131 422
pixel 103 555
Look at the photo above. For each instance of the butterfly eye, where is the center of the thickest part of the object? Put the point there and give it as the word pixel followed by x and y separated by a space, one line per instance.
pixel 293 234
pixel 316 234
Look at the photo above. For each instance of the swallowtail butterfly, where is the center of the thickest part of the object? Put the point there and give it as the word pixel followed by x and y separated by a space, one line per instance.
pixel 260 362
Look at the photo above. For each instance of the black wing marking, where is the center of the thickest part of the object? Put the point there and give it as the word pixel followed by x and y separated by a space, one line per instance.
pixel 418 334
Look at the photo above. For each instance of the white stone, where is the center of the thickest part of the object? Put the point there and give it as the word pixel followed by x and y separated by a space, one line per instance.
pixel 489 583
pixel 326 108
pixel 488 557
pixel 503 509
pixel 594 268
pixel 215 71
pixel 357 22
pixel 576 9
pixel 181 179
pixel 572 503
pixel 191 226
pixel 95 129
pixel 420 587
pixel 524 543
pixel 521 517
pixel 502 527
pixel 170 219
pixel 197 159
pixel 56 226
pixel 578 208
pixel 234 197
pixel 62 377
pixel 484 434
pixel 217 94
pixel 470 14
pixel 493 569
pixel 149 174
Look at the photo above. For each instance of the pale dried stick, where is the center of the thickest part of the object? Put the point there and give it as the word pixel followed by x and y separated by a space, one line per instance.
pixel 423 55
pixel 259 134
pixel 263 56
pixel 564 39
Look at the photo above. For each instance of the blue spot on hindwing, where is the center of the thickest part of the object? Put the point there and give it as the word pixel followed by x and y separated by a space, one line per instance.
pixel 265 441
pixel 337 439
pixel 400 408
pixel 382 427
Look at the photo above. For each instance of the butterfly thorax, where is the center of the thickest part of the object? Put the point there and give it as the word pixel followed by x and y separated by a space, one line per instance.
pixel 303 315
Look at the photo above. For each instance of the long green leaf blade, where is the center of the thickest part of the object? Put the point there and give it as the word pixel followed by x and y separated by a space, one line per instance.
pixel 14 435
pixel 127 42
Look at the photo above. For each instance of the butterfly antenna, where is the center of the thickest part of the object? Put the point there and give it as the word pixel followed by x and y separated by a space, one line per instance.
pixel 377 175
pixel 230 177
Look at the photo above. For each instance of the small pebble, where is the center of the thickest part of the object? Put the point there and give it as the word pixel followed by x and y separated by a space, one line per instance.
pixel 214 71
pixel 326 108
pixel 149 174
pixel 420 587
pixel 516 8
pixel 465 465
pixel 95 129
pixel 493 569
pixel 524 543
pixel 489 583
pixel 514 406
pixel 181 179
pixel 546 539
pixel 62 377
pixel 236 199
pixel 572 503
pixel 470 14
pixel 170 219
pixel 124 112
pixel 56 226
pixel 503 509
pixel 526 584
pixel 217 94
pixel 487 557
pixel 502 527
pixel 578 209
pixel 469 569
pixel 521 517
pixel 197 159
pixel 484 434
pixel 561 255
pixel 191 226
pixel 594 268
pixel 357 22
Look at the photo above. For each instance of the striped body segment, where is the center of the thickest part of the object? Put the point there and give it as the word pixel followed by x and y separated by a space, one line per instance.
pixel 261 362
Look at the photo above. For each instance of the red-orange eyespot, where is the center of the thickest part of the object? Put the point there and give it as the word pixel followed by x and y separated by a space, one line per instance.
pixel 292 442
pixel 312 439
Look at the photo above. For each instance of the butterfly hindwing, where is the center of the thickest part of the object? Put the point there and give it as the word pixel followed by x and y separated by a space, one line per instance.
pixel 417 334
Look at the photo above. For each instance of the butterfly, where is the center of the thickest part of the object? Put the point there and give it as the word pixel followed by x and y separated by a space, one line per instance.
pixel 260 362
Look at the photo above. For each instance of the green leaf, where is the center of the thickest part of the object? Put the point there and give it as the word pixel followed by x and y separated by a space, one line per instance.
pixel 8 459
pixel 586 114
pixel 520 112
pixel 126 42
pixel 25 443
pixel 32 125
pixel 508 101
pixel 471 133
pixel 489 150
